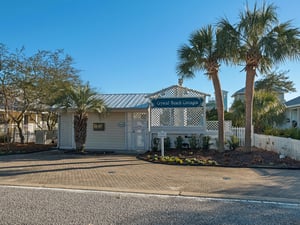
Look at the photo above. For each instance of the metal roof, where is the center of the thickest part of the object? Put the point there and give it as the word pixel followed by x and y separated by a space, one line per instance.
pixel 242 90
pixel 293 102
pixel 239 92
pixel 125 101
pixel 139 101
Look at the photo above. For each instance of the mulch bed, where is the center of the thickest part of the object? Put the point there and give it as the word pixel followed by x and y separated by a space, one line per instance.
pixel 235 158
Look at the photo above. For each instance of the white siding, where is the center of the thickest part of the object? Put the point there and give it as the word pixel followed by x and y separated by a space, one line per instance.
pixel 114 135
pixel 66 131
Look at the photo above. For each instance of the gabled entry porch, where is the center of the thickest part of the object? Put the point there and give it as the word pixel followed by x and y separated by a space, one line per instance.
pixel 178 111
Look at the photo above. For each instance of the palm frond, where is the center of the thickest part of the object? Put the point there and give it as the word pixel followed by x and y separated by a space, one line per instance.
pixel 82 98
pixel 200 54
pixel 228 42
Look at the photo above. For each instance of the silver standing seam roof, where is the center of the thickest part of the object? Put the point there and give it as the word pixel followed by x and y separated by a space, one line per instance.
pixel 293 102
pixel 140 101
pixel 125 101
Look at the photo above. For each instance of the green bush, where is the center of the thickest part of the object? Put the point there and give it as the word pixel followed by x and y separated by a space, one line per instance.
pixel 288 133
pixel 233 142
pixel 167 143
pixel 155 143
pixel 293 133
pixel 179 142
pixel 206 142
pixel 194 142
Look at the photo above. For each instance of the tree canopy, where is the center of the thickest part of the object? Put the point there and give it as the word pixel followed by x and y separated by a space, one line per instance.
pixel 33 83
pixel 82 99
pixel 276 82
pixel 258 41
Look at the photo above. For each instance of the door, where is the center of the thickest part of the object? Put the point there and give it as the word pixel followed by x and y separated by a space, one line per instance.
pixel 139 130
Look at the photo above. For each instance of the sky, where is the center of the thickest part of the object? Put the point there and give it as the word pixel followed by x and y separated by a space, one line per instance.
pixel 130 46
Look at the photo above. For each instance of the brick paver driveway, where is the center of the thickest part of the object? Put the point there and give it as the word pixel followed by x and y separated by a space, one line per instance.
pixel 128 174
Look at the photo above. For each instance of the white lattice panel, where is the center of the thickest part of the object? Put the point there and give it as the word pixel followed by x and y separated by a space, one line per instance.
pixel 177 117
pixel 177 91
pixel 214 125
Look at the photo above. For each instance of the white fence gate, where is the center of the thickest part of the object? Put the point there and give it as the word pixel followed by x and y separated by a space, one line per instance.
pixel 212 130
pixel 240 133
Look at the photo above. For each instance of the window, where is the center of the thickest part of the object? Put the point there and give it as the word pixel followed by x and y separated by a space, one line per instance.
pixel 99 126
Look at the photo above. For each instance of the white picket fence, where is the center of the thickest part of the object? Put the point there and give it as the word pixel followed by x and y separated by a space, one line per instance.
pixel 284 146
pixel 240 133
pixel 212 130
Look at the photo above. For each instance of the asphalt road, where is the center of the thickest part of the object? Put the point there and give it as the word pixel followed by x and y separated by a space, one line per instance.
pixel 57 206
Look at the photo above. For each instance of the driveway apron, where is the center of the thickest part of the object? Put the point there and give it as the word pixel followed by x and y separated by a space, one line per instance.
pixel 125 173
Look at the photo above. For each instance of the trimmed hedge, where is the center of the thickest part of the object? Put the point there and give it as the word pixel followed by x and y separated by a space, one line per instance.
pixel 293 133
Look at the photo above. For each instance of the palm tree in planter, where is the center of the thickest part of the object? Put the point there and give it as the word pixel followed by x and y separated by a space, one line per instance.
pixel 202 54
pixel 83 99
pixel 259 41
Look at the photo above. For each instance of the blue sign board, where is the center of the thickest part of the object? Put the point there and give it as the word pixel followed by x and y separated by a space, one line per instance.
pixel 177 102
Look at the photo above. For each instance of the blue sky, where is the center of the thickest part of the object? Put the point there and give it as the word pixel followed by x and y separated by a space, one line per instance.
pixel 129 46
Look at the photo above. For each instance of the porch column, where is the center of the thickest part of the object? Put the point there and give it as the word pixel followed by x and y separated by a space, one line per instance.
pixel 298 117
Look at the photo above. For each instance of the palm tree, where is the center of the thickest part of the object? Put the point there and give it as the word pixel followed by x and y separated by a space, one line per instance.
pixel 202 54
pixel 82 99
pixel 259 41
pixel 268 110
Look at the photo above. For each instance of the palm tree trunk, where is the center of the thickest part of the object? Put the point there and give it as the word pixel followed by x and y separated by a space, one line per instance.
pixel 249 93
pixel 220 110
pixel 80 131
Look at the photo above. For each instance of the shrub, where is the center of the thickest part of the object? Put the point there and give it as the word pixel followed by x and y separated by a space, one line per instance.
pixel 206 142
pixel 155 143
pixel 194 142
pixel 293 133
pixel 233 142
pixel 167 143
pixel 288 133
pixel 178 142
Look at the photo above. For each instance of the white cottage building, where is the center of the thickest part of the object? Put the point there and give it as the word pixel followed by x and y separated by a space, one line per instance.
pixel 292 113
pixel 133 120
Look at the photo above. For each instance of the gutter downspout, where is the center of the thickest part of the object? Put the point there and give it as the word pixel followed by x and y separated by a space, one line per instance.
pixel 58 131
pixel 73 132
pixel 149 126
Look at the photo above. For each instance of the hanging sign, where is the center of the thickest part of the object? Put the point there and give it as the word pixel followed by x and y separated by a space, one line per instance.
pixel 177 102
pixel 162 134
